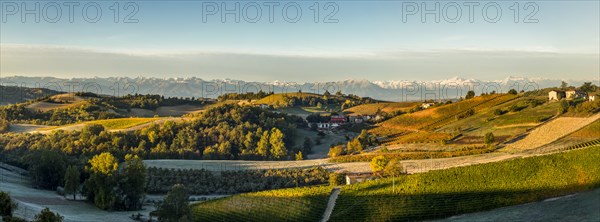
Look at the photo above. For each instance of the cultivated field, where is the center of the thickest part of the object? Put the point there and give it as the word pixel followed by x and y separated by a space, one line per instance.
pixel 388 107
pixel 550 132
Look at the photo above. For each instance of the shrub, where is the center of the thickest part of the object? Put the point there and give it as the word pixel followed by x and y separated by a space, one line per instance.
pixel 489 138
pixel 7 206
pixel 336 179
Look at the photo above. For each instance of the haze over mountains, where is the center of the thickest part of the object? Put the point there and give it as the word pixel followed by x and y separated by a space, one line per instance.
pixel 392 90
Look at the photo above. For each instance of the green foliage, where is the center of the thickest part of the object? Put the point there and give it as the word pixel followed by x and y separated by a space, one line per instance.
pixel 489 139
pixel 293 204
pixel 4 125
pixel 299 155
pixel 278 150
pixel 46 168
pixel 393 168
pixel 354 146
pixel 336 179
pixel 336 151
pixel 413 155
pixel 109 188
pixel 71 185
pixel 222 132
pixel 470 94
pixel 512 91
pixel 132 182
pixel 7 206
pixel 175 207
pixel 379 163
pixel 202 182
pixel 443 193
pixel 48 216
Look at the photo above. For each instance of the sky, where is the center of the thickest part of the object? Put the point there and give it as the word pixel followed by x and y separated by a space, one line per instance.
pixel 374 40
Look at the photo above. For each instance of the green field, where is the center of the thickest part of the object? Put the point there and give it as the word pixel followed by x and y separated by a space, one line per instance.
pixel 443 193
pixel 294 204
pixel 388 107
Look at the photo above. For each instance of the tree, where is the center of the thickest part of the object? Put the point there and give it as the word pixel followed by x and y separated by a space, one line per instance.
pixel 335 151
pixel 7 206
pixel 564 107
pixel 470 94
pixel 263 145
pixel 378 164
pixel 512 91
pixel 299 155
pixel 278 149
pixel 46 168
pixel 72 181
pixel 307 145
pixel 101 185
pixel 132 182
pixel 588 87
pixel 48 216
pixel 489 138
pixel 393 168
pixel 4 125
pixel 175 207
pixel 563 85
pixel 354 146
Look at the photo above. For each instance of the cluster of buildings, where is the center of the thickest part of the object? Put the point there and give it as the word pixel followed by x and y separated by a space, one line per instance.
pixel 338 120
pixel 556 95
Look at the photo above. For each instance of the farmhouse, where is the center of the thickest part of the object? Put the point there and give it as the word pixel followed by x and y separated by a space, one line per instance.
pixel 556 95
pixel 263 106
pixel 574 94
pixel 327 125
pixel 427 105
pixel 340 119
pixel 358 177
pixel 592 98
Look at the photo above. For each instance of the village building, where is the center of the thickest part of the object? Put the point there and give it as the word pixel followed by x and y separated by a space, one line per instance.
pixel 556 95
pixel 592 98
pixel 427 105
pixel 574 94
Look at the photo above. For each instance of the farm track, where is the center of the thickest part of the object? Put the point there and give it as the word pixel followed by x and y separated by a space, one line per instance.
pixel 330 204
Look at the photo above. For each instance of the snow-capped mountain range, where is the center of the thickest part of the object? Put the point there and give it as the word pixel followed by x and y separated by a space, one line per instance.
pixel 392 90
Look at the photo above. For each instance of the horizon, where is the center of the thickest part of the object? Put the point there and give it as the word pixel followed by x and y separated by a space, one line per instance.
pixel 384 41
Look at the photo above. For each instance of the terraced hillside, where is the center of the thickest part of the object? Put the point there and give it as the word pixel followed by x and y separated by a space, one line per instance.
pixel 550 132
pixel 420 126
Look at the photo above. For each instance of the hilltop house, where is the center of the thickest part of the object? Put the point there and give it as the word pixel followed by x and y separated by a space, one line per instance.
pixel 427 105
pixel 556 95
pixel 574 94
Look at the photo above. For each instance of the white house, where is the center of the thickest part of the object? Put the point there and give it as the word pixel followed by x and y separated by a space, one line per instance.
pixel 427 105
pixel 327 125
pixel 592 98
pixel 556 95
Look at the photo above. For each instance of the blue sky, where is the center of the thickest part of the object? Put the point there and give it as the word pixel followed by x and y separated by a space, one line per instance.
pixel 370 41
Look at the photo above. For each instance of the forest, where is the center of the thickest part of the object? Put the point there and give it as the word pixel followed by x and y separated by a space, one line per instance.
pixel 223 132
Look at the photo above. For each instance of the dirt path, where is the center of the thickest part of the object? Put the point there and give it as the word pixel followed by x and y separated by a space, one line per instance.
pixel 550 132
pixel 330 204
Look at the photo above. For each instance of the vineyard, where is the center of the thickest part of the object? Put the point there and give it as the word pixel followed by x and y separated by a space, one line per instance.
pixel 403 155
pixel 442 193
pixel 294 204
pixel 201 181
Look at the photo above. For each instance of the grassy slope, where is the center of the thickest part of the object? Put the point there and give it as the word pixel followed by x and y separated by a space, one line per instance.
pixel 294 204
pixel 278 98
pixel 111 124
pixel 388 107
pixel 507 124
pixel 460 190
